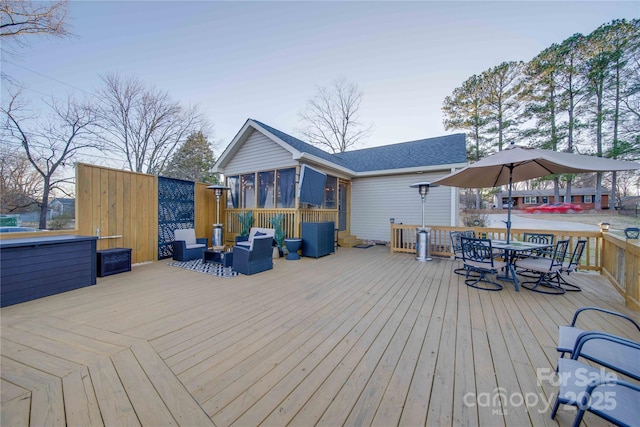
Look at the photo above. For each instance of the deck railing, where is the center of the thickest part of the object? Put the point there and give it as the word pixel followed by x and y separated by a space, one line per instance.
pixel 621 265
pixel 292 218
pixel 612 256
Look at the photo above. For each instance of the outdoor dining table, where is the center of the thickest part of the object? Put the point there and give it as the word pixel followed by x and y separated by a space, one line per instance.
pixel 511 252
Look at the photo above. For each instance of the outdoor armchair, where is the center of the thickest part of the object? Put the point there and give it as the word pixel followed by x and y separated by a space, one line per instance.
pixel 618 400
pixel 546 270
pixel 568 335
pixel 186 246
pixel 571 266
pixel 541 238
pixel 257 257
pixel 478 258
pixel 456 247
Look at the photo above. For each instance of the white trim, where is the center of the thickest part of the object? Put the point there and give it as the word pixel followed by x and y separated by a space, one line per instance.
pixel 417 169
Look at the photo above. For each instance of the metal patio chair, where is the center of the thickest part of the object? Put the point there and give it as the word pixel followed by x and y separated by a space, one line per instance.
pixel 568 335
pixel 456 247
pixel 546 270
pixel 571 266
pixel 478 257
pixel 542 238
pixel 580 381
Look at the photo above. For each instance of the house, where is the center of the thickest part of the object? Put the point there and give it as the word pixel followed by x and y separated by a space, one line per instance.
pixel 62 207
pixel 580 196
pixel 270 172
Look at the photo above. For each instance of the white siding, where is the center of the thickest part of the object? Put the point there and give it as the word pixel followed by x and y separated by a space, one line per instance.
pixel 259 153
pixel 375 200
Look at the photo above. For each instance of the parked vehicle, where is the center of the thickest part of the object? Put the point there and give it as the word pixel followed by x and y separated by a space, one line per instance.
pixel 554 208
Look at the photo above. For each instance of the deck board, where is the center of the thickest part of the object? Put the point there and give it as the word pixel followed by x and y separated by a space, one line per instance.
pixel 361 337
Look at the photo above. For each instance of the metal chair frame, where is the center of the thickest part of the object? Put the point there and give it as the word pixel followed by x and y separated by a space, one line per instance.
pixel 478 257
pixel 572 265
pixel 547 270
pixel 456 247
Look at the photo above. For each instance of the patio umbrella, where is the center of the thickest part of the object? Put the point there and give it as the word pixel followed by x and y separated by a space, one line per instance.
pixel 516 164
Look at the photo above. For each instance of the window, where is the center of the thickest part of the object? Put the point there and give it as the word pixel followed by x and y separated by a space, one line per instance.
pixel 266 194
pixel 247 191
pixel 234 194
pixel 285 188
pixel 530 200
pixel 330 193
pixel 587 198
pixel 545 199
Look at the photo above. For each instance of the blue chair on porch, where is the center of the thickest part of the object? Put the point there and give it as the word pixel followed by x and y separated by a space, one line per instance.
pixel 186 246
pixel 255 258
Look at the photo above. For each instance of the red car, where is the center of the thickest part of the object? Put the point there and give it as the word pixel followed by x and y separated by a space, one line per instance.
pixel 554 208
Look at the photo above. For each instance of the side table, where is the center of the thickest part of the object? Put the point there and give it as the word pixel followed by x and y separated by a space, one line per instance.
pixel 218 256
pixel 293 246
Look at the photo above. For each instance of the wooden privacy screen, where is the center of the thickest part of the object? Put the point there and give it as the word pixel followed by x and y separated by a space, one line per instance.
pixel 124 204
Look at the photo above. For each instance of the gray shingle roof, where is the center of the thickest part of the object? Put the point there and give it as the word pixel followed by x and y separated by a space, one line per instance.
pixel 424 152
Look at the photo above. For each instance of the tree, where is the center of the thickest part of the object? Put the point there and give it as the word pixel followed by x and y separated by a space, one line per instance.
pixel 19 183
pixel 143 124
pixel 331 117
pixel 465 110
pixel 503 85
pixel 193 161
pixel 51 144
pixel 541 95
pixel 622 39
pixel 571 94
pixel 23 17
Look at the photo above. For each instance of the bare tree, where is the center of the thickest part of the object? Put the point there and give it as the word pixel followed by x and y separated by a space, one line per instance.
pixel 51 144
pixel 331 117
pixel 22 17
pixel 143 124
pixel 20 184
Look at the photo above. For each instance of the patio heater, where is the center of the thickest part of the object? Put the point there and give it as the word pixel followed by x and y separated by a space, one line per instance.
pixel 422 233
pixel 217 235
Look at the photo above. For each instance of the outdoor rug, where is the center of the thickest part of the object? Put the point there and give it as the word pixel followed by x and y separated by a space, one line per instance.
pixel 362 246
pixel 212 268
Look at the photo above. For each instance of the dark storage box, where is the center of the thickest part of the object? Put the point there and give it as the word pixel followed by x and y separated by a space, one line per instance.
pixel 37 267
pixel 318 239
pixel 113 261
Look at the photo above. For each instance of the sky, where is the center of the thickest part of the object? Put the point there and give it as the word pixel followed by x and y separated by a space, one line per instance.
pixel 263 60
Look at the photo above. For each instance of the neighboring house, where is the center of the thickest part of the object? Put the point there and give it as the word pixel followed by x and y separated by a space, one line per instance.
pixel 62 207
pixel 581 196
pixel 272 172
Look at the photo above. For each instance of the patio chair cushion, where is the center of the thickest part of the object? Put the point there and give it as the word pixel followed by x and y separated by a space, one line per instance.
pixel 188 235
pixel 247 241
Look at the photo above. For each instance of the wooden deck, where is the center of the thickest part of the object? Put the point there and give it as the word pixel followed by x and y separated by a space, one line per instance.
pixel 363 337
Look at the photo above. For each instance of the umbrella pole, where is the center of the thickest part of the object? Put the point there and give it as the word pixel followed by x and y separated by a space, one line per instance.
pixel 509 204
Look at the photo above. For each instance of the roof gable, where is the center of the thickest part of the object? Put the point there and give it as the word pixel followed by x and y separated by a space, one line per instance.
pixel 424 153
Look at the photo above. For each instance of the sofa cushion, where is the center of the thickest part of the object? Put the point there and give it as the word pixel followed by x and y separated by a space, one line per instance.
pixel 188 235
pixel 196 245
pixel 267 231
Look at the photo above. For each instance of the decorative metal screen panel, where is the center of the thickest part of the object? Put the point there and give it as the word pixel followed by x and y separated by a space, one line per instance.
pixel 175 211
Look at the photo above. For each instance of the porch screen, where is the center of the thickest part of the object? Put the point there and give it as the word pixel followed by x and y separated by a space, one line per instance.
pixel 312 183
pixel 175 211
